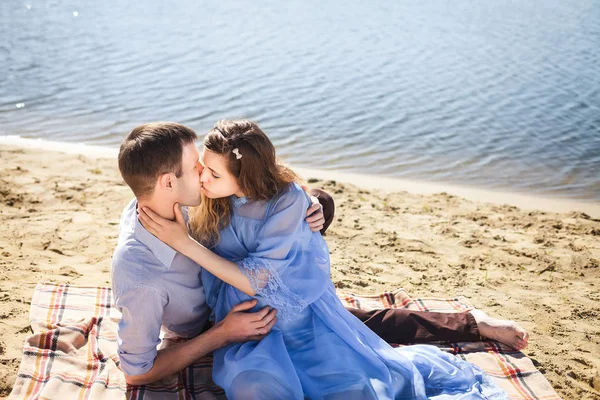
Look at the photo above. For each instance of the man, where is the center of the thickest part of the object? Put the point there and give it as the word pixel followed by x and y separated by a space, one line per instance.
pixel 158 289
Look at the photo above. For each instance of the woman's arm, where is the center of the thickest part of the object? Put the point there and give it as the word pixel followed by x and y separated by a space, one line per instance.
pixel 175 234
pixel 289 266
pixel 223 269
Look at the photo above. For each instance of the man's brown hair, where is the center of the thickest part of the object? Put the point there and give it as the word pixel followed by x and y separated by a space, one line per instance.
pixel 151 150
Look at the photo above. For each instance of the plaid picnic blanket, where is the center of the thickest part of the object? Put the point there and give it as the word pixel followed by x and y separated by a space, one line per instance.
pixel 72 353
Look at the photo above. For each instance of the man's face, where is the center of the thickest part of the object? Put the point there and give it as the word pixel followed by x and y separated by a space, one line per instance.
pixel 188 184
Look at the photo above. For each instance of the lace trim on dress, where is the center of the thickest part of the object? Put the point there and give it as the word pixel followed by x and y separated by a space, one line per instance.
pixel 267 283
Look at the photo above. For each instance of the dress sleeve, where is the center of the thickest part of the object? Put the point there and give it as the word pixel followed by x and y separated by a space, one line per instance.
pixel 138 332
pixel 290 267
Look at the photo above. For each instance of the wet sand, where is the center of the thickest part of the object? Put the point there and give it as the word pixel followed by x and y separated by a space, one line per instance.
pixel 60 212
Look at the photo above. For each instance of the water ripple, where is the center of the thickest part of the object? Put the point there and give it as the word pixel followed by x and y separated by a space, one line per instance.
pixel 485 93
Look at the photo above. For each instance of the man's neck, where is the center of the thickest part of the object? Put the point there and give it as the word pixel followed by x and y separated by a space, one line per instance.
pixel 159 206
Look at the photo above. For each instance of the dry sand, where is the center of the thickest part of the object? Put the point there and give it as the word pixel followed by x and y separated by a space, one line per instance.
pixel 59 214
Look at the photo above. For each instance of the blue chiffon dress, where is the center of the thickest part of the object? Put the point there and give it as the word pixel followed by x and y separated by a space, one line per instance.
pixel 317 349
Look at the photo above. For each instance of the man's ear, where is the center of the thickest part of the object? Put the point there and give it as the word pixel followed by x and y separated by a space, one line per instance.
pixel 167 181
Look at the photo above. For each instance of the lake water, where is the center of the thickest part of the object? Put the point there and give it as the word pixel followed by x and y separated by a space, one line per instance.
pixel 498 94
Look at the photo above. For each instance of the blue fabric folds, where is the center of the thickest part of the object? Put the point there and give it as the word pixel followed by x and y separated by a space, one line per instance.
pixel 317 349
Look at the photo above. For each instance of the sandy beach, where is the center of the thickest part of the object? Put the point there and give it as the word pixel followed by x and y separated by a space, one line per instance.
pixel 60 212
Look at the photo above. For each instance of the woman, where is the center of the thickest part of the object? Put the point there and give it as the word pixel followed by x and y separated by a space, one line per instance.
pixel 253 214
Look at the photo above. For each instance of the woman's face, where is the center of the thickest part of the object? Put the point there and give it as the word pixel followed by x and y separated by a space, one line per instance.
pixel 216 179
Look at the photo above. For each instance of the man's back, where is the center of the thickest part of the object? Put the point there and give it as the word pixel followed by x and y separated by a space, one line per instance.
pixel 153 287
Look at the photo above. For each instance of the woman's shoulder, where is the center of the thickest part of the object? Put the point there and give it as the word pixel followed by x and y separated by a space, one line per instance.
pixel 294 187
pixel 293 191
pixel 290 195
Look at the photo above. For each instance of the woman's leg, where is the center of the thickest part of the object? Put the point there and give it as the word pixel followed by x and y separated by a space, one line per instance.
pixel 258 385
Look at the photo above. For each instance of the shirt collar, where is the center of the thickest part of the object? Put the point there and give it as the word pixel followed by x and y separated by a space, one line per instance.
pixel 161 250
pixel 238 201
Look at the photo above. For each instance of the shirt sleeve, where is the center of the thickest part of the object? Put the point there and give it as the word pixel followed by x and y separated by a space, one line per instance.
pixel 290 267
pixel 138 332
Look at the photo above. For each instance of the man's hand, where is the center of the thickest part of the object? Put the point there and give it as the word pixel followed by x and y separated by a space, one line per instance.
pixel 238 326
pixel 241 326
pixel 314 215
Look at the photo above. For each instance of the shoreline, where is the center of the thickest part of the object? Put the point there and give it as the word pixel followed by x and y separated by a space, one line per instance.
pixel 524 201
pixel 370 182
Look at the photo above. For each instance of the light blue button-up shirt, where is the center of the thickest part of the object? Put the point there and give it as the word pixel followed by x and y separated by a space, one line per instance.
pixel 155 288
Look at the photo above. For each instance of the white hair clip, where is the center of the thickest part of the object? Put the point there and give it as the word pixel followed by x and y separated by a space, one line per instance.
pixel 236 151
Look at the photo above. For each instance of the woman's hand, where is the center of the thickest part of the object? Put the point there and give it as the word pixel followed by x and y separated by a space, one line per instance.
pixel 173 233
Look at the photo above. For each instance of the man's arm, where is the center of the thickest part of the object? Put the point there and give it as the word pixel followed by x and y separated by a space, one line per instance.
pixel 171 360
pixel 238 326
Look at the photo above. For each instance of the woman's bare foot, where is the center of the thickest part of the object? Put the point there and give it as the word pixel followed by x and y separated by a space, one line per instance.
pixel 503 331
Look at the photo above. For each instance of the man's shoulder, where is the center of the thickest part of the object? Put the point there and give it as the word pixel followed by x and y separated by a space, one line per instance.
pixel 128 210
pixel 129 248
pixel 134 265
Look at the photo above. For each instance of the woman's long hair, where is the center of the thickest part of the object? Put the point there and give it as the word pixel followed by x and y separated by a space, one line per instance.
pixel 259 173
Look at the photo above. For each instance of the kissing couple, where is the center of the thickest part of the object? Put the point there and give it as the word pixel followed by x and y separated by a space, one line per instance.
pixel 231 234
